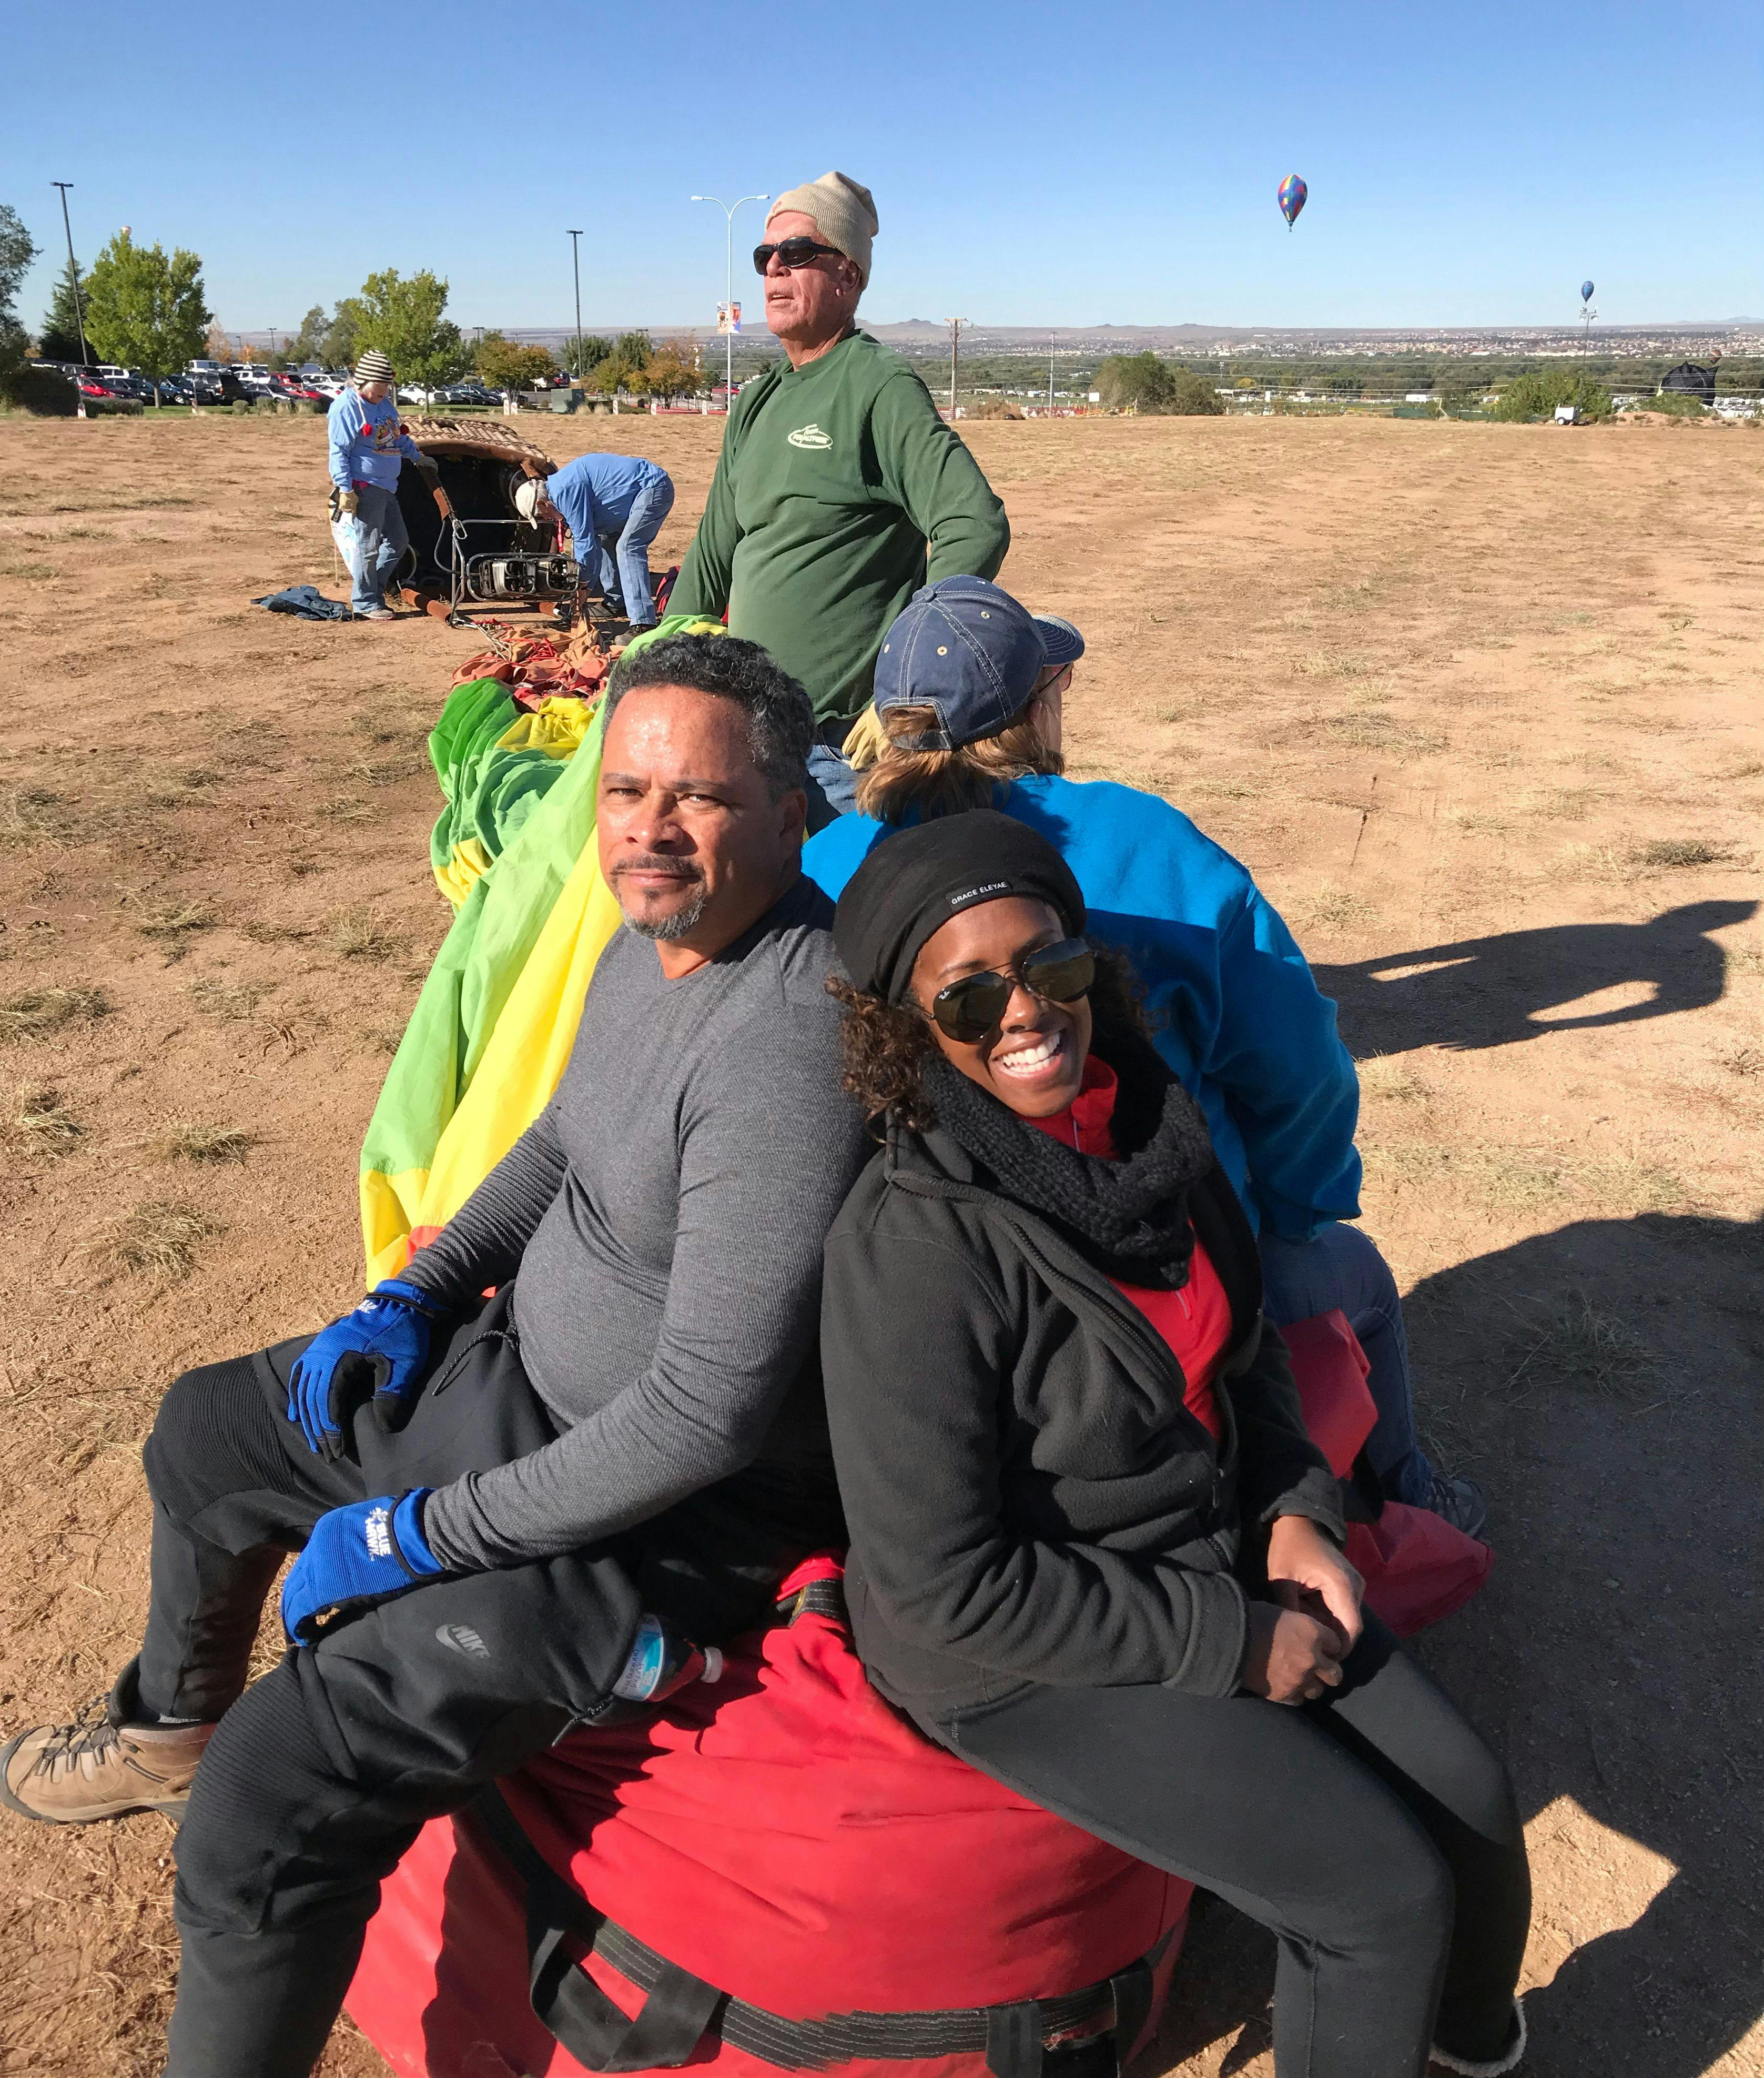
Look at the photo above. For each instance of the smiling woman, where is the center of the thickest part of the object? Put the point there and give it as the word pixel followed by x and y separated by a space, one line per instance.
pixel 1093 1550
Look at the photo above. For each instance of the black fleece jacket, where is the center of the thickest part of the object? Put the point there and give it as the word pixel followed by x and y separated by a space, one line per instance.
pixel 1029 1498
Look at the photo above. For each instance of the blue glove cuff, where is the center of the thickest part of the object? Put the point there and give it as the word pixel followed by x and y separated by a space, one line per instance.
pixel 410 1546
pixel 412 1295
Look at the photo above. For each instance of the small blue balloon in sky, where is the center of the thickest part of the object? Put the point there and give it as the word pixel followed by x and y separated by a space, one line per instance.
pixel 1293 192
pixel 1585 292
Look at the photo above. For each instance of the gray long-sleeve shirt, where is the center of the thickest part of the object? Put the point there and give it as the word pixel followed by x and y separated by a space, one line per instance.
pixel 664 1214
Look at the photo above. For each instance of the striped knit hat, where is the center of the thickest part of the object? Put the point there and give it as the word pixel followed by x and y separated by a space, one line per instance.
pixel 373 367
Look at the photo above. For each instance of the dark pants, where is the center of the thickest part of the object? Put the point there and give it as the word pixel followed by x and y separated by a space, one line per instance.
pixel 319 1775
pixel 1374 1833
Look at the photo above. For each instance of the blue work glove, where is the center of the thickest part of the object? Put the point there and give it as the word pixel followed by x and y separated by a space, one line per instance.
pixel 355 1556
pixel 384 1344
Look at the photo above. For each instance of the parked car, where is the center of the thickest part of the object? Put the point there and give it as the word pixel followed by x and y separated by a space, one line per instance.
pixel 174 389
pixel 214 382
pixel 293 385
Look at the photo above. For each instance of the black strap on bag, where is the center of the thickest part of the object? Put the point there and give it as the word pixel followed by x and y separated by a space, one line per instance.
pixel 680 2009
pixel 1092 2031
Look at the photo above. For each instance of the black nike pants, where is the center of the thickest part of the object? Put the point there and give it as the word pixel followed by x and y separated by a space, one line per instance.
pixel 1374 1832
pixel 319 1775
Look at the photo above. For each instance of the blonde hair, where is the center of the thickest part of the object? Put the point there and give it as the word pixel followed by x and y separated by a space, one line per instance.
pixel 944 782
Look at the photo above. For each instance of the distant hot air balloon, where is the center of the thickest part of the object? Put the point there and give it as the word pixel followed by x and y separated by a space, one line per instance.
pixel 1585 292
pixel 1293 192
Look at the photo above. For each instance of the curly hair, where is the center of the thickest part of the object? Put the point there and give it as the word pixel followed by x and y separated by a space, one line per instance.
pixel 886 1045
pixel 780 721
pixel 944 782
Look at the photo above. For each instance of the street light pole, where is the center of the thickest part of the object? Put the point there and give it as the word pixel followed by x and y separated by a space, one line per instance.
pixel 1052 336
pixel 73 270
pixel 728 210
pixel 955 325
pixel 575 262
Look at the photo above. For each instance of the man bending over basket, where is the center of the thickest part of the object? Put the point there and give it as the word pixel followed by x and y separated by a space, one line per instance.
pixel 487 1498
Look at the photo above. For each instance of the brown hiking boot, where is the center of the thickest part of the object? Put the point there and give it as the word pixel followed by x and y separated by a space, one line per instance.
pixel 100 1766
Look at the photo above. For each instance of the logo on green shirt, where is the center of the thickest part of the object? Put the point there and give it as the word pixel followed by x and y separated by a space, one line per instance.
pixel 810 436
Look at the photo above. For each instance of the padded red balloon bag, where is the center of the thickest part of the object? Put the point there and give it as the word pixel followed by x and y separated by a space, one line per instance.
pixel 1417 1567
pixel 778 1872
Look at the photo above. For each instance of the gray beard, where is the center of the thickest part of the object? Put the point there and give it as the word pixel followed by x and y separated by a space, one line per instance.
pixel 680 924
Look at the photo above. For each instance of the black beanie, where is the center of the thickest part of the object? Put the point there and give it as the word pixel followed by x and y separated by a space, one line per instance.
pixel 913 883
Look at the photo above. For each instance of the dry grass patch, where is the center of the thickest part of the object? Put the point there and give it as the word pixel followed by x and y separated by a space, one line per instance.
pixel 1330 908
pixel 1747 1061
pixel 261 933
pixel 349 808
pixel 1371 731
pixel 158 1236
pixel 1388 1076
pixel 30 815
pixel 37 1120
pixel 35 572
pixel 205 1143
pixel 1586 1346
pixel 1502 1179
pixel 358 934
pixel 171 922
pixel 1671 853
pixel 228 1001
pixel 35 1013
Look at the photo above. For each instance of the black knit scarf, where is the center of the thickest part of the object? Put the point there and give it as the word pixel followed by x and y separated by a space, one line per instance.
pixel 1128 1217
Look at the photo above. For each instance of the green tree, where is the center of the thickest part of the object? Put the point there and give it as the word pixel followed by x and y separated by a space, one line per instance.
pixel 144 310
pixel 1536 396
pixel 403 318
pixel 671 370
pixel 594 350
pixel 18 249
pixel 59 339
pixel 505 365
pixel 1193 396
pixel 1134 382
pixel 343 335
pixel 622 369
pixel 307 343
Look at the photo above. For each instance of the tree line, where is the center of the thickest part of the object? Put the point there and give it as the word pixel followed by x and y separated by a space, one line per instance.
pixel 140 308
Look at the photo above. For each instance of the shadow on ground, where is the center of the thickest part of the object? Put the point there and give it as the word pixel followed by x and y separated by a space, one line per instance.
pixel 1494 992
pixel 1611 1375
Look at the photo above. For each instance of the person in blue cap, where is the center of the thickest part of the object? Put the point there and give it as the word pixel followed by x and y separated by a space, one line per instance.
pixel 970 696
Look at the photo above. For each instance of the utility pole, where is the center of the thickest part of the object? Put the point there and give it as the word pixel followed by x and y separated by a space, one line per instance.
pixel 1052 336
pixel 73 269
pixel 955 325
pixel 728 210
pixel 575 262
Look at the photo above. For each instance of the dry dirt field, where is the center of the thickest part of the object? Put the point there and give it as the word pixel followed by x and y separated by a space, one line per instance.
pixel 1479 705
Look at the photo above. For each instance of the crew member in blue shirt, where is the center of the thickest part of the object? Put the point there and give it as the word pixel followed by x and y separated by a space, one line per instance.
pixel 613 506
pixel 369 447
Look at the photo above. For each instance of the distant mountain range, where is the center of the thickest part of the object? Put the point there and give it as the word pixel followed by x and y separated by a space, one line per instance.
pixel 909 334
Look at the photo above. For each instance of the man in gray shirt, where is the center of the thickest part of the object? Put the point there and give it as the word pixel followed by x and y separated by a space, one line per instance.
pixel 509 1515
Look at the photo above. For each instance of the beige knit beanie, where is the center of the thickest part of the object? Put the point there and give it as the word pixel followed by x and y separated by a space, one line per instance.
pixel 844 213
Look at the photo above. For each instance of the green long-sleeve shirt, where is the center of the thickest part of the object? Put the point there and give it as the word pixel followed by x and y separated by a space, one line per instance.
pixel 839 492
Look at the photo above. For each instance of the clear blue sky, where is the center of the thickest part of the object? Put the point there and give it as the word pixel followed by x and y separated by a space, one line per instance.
pixel 1031 164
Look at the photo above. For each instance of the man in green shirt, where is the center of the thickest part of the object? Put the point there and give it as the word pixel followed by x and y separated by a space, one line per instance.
pixel 839 490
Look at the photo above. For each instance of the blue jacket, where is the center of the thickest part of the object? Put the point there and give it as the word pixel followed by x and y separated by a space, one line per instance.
pixel 1234 1009
pixel 367 442
pixel 595 493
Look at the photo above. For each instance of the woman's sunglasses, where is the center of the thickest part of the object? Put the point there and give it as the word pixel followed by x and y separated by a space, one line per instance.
pixel 792 253
pixel 967 1010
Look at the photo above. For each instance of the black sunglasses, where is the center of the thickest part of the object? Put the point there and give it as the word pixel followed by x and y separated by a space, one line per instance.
pixel 793 251
pixel 968 1009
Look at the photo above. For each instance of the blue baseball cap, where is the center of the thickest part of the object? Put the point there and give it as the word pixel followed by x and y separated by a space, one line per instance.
pixel 1060 640
pixel 968 650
